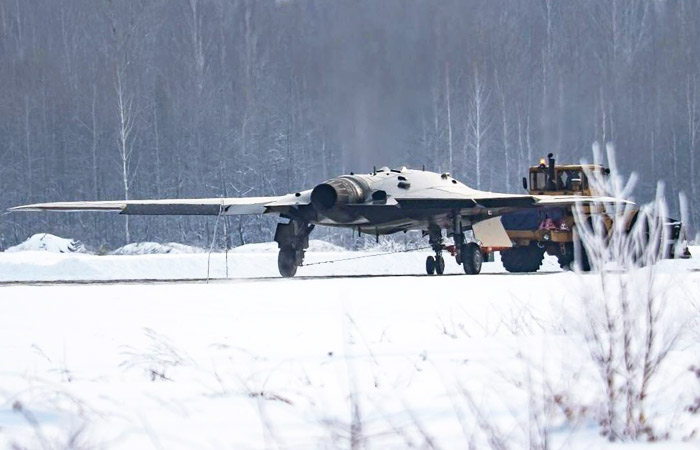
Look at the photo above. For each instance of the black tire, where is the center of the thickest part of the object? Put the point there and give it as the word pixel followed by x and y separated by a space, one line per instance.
pixel 439 265
pixel 569 262
pixel 430 265
pixel 567 259
pixel 523 259
pixel 472 258
pixel 287 263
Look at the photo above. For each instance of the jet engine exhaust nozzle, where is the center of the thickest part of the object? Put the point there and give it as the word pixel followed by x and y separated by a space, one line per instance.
pixel 324 197
pixel 335 193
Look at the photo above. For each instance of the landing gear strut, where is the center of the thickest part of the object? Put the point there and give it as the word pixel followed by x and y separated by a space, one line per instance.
pixel 468 254
pixel 293 239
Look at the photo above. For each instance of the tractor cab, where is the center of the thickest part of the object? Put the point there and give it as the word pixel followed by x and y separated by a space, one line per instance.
pixel 547 178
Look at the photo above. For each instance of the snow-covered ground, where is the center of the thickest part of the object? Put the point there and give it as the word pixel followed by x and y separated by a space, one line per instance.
pixel 257 361
pixel 151 261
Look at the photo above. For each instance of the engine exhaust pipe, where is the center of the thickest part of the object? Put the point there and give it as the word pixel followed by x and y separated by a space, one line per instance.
pixel 324 197
pixel 329 198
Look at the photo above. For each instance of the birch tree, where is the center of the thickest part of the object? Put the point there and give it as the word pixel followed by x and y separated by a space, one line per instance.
pixel 125 116
pixel 504 129
pixel 450 164
pixel 196 29
pixel 197 90
pixel 478 125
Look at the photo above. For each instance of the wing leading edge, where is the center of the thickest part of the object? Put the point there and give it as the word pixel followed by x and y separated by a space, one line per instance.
pixel 204 206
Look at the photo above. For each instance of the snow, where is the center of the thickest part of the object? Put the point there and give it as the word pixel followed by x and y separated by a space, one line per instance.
pixel 248 261
pixel 258 361
pixel 315 246
pixel 45 242
pixel 151 248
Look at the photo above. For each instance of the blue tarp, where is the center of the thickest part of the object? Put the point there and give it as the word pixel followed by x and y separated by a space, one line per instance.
pixel 530 219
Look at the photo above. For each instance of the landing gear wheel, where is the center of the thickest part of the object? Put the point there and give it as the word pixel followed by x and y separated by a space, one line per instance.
pixel 293 239
pixel 287 263
pixel 430 265
pixel 439 265
pixel 471 258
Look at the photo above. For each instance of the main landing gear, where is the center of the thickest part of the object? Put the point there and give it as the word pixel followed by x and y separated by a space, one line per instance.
pixel 293 240
pixel 469 255
pixel 472 258
pixel 435 264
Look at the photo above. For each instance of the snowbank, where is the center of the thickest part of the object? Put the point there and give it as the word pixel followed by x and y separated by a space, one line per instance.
pixel 155 248
pixel 45 242
pixel 315 245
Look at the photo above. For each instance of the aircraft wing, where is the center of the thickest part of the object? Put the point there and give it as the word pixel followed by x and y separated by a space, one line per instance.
pixel 440 198
pixel 570 200
pixel 202 206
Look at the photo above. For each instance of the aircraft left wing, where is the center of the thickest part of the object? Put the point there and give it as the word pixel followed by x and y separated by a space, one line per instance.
pixel 202 206
pixel 488 200
pixel 564 200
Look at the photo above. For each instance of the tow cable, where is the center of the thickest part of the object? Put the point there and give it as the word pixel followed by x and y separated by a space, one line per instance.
pixel 331 261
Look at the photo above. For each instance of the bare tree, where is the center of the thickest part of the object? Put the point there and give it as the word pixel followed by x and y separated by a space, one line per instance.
pixel 504 129
pixel 478 124
pixel 125 116
pixel 693 129
pixel 449 118
pixel 333 87
pixel 196 30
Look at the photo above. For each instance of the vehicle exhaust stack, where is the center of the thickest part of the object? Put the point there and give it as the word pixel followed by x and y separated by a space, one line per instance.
pixel 552 181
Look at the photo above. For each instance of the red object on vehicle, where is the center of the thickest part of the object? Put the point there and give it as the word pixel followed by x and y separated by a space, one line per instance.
pixel 547 224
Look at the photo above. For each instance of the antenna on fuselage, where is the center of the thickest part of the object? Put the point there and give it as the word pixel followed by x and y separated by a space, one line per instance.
pixel 374 170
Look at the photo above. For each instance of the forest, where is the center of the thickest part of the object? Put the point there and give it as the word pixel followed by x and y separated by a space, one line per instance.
pixel 136 99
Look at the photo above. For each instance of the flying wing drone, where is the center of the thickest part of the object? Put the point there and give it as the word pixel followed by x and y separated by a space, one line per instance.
pixel 383 202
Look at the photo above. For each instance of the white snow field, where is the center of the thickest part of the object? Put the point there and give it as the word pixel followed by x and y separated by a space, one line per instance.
pixel 366 353
pixel 249 261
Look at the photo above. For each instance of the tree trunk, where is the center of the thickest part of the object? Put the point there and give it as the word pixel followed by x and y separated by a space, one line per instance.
pixel 450 167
